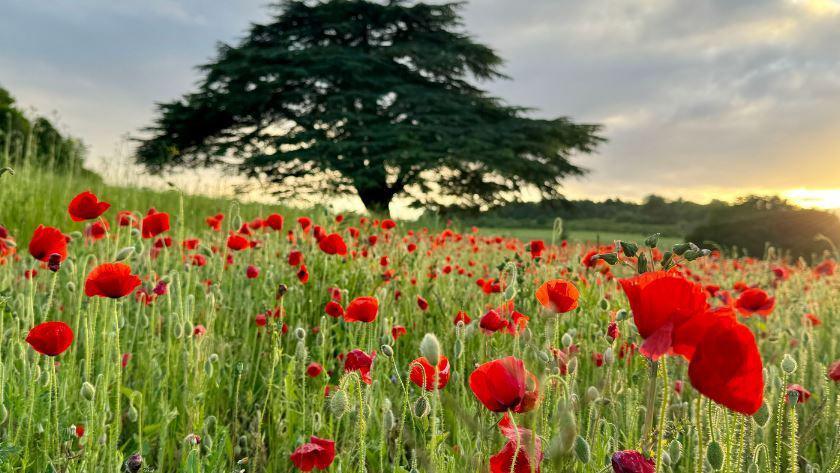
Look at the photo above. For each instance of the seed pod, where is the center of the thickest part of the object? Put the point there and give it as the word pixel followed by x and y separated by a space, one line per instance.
pixel 87 392
pixel 430 348
pixel 421 407
pixel 582 450
pixel 714 454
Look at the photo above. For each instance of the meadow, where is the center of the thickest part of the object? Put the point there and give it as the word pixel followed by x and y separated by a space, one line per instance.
pixel 209 335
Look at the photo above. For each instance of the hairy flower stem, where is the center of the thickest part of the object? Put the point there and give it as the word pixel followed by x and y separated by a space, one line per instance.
pixel 663 407
pixel 777 450
pixel 651 400
pixel 698 412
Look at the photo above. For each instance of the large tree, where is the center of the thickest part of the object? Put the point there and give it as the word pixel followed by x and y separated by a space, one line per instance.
pixel 376 99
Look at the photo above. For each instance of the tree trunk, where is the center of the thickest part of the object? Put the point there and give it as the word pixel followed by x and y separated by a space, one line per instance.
pixel 376 199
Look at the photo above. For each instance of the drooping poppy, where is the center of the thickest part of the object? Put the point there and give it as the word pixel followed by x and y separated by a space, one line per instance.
pixel 521 454
pixel 755 301
pixel 558 296
pixel 318 453
pixel 662 301
pixel 631 461
pixel 47 241
pixel 398 331
pixel 113 280
pixel 86 206
pixel 357 360
pixel 423 373
pixel 305 224
pixel 50 338
pixel 802 394
pixel 499 384
pixel 362 309
pixel 726 367
pixel 154 223
pixel 333 244
pixel 334 309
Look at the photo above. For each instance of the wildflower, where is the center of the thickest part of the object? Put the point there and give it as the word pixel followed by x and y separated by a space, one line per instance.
pixel 50 338
pixel 112 280
pixel 47 241
pixel 154 223
pixel 318 453
pixel 362 309
pixel 86 206
pixel 558 296
pixel 423 374
pixel 755 301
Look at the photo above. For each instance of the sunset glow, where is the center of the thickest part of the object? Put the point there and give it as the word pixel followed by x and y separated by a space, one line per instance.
pixel 815 198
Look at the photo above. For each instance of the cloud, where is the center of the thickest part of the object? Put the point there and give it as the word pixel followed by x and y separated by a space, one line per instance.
pixel 698 99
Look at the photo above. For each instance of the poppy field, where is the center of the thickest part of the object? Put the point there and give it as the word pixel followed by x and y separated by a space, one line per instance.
pixel 153 336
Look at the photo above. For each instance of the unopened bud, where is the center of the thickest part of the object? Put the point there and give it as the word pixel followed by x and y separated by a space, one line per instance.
pixel 652 240
pixel 387 350
pixel 124 253
pixel 87 392
pixel 714 454
pixel 629 249
pixel 642 264
pixel 54 263
pixel 788 364
pixel 421 407
pixel 566 340
pixel 338 404
pixel 610 258
pixel 430 348
pixel 133 463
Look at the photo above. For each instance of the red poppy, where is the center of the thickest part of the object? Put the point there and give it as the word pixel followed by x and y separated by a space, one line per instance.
pixel 215 221
pixel 274 221
pixel 295 257
pixel 334 309
pixel 499 384
pixel 826 268
pixel 86 206
pixel 802 394
pixel 462 316
pixel 303 274
pixel 536 247
pixel 126 218
pixel 422 303
pixel 154 223
pixel 631 461
pixel 362 309
pixel 755 301
pixel 492 322
pixel 305 224
pixel 357 360
pixel 198 260
pixel 113 280
pixel 388 224
pixel 237 243
pixel 333 244
pixel 812 319
pixel 558 296
pixel 521 454
pixel 314 369
pixel 726 366
pixel 50 338
pixel 662 301
pixel 398 331
pixel 834 371
pixel 252 271
pixel 318 453
pixel 47 241
pixel 423 374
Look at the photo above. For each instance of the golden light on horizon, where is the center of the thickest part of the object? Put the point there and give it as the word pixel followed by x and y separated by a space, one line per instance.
pixel 828 199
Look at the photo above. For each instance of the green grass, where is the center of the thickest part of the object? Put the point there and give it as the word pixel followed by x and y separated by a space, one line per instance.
pixel 244 389
pixel 582 236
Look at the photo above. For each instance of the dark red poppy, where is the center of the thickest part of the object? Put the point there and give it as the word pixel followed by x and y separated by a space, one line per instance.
pixel 631 461
pixel 274 221
pixel 47 241
pixel 423 373
pixel 558 296
pixel 333 244
pixel 422 303
pixel 662 301
pixel 305 224
pixel 826 268
pixel 314 369
pixel 388 224
pixel 357 360
pixel 126 218
pixel 86 206
pixel 295 257
pixel 198 260
pixel 755 301
pixel 802 394
pixel 492 322
pixel 536 247
pixel 726 366
pixel 113 280
pixel 237 243
pixel 318 453
pixel 154 223
pixel 334 309
pixel 500 384
pixel 252 271
pixel 303 274
pixel 521 454
pixel 398 331
pixel 215 222
pixel 50 338
pixel 362 309
pixel 834 371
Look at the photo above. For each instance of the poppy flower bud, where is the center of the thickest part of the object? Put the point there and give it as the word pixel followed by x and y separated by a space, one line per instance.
pixel 680 248
pixel 609 356
pixel 572 365
pixel 610 258
pixel 430 348
pixel 762 416
pixel 338 404
pixel 388 421
pixel 642 264
pixel 124 253
pixel 667 259
pixel 87 392
pixel 208 369
pixel 387 350
pixel 629 249
pixel 54 263
pixel 421 407
pixel 237 221
pixel 75 235
pixel 71 287
pixel 582 450
pixel 604 304
pixel 543 356
pixel 566 340
pixel 621 315
pixel 714 454
pixel 7 169
pixel 788 364
pixel 652 240
pixel 675 451
pixel 281 291
pixel 458 348
pixel 132 414
pixel 133 463
pixel 592 394
pixel 4 413
pixel 692 255
pixel 300 333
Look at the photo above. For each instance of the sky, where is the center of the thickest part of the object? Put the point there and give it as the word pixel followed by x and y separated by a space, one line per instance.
pixel 699 99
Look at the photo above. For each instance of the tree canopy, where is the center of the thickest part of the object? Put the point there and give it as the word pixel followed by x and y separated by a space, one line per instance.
pixel 377 99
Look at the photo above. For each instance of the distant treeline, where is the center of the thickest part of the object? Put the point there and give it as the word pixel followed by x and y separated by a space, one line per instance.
pixel 746 226
pixel 35 140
